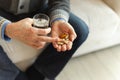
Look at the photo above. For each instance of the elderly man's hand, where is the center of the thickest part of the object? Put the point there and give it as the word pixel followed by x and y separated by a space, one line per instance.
pixel 24 32
pixel 61 29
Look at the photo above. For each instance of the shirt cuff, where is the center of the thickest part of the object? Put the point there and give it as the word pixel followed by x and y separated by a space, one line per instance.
pixel 3 27
pixel 57 19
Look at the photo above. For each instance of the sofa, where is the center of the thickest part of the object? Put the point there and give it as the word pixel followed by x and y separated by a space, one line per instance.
pixel 103 20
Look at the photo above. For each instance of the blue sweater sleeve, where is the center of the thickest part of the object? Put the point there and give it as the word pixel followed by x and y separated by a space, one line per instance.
pixel 3 26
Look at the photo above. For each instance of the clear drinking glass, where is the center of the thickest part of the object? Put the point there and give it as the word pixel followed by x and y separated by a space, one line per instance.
pixel 41 21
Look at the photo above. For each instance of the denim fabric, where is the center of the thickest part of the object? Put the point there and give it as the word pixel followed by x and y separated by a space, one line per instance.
pixel 50 62
pixel 8 71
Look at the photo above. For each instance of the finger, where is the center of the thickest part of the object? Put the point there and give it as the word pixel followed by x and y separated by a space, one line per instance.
pixel 36 47
pixel 42 31
pixel 39 45
pixel 69 45
pixel 64 48
pixel 55 45
pixel 72 34
pixel 72 37
pixel 47 39
pixel 30 20
pixel 59 48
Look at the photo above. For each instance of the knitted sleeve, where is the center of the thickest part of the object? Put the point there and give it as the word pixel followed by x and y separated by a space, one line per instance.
pixel 59 9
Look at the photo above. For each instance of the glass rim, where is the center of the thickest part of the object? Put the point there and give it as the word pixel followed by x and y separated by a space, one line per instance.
pixel 41 14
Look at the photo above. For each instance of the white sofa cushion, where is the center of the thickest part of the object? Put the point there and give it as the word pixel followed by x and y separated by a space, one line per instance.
pixel 103 23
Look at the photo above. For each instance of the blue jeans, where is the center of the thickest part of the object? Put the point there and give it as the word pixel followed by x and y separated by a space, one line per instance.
pixel 50 63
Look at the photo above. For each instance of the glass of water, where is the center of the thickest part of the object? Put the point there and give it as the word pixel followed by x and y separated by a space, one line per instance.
pixel 41 21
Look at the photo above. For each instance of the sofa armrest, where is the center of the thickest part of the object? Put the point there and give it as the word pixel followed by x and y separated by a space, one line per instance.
pixel 114 4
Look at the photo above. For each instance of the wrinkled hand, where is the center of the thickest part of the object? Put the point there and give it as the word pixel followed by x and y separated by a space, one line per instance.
pixel 24 32
pixel 60 27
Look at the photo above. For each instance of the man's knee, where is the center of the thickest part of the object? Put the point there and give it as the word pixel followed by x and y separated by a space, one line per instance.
pixel 83 33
